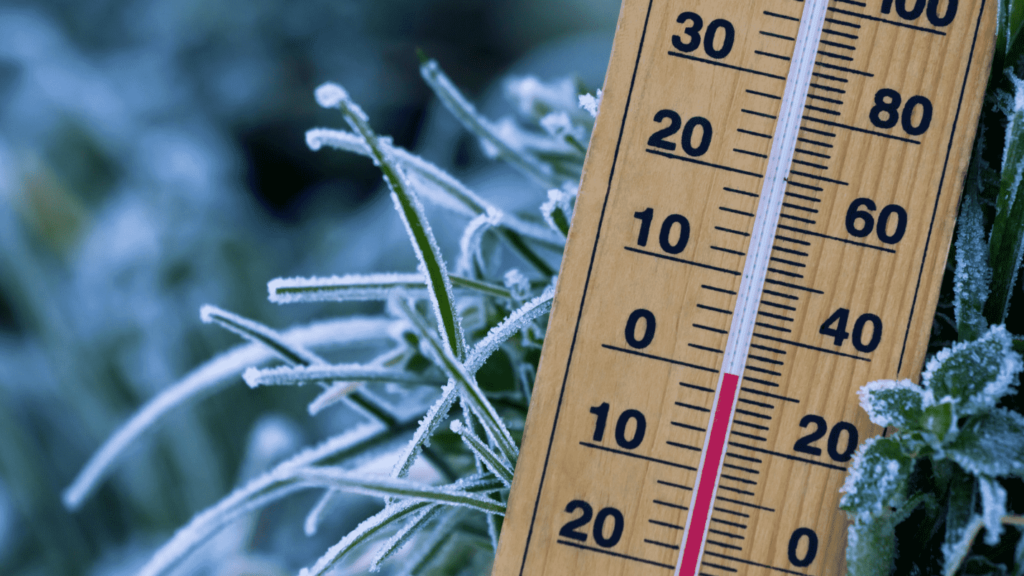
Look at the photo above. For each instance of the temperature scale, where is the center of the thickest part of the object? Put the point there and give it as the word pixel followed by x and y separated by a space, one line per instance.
pixel 761 229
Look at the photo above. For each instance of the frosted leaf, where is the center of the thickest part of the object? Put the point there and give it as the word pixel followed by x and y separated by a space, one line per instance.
pixel 891 403
pixel 534 98
pixel 206 379
pixel 993 508
pixel 300 375
pixel 517 284
pixel 973 274
pixel 958 545
pixel 557 211
pixel 871 546
pixel 258 333
pixel 559 126
pixel 992 445
pixel 975 374
pixel 877 480
pixel 591 104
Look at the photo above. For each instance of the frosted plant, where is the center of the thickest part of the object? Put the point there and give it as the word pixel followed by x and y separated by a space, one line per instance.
pixel 457 347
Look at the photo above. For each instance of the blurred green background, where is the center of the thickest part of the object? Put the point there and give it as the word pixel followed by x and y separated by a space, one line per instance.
pixel 152 159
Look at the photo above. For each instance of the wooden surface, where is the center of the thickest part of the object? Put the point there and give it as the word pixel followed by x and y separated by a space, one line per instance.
pixel 773 490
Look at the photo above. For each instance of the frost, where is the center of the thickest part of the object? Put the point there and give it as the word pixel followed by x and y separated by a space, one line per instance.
pixel 975 374
pixel 973 274
pixel 891 403
pixel 517 284
pixel 299 375
pixel 993 508
pixel 590 103
pixel 991 446
pixel 400 539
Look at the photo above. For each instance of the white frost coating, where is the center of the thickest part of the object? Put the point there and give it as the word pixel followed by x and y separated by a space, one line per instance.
pixel 497 465
pixel 881 400
pixel 316 514
pixel 469 244
pixel 591 104
pixel 300 375
pixel 993 508
pixel 272 486
pixel 508 327
pixel 380 286
pixel 872 482
pixel 954 553
pixel 517 283
pixel 206 379
pixel 973 274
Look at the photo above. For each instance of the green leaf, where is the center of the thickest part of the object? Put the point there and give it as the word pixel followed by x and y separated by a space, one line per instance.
pixel 411 211
pixel 973 275
pixel 495 464
pixel 1006 243
pixel 991 445
pixel 975 375
pixel 871 546
pixel 877 480
pixel 891 403
pixel 962 523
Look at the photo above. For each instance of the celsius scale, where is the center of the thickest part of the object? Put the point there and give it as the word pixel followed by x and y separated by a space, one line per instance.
pixel 761 229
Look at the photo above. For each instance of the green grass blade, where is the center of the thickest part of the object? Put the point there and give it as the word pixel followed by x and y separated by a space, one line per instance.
pixel 260 334
pixel 466 113
pixel 1007 240
pixel 395 488
pixel 322 373
pixel 411 212
pixel 496 464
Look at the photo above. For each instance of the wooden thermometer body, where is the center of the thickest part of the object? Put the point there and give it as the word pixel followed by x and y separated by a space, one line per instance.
pixel 762 228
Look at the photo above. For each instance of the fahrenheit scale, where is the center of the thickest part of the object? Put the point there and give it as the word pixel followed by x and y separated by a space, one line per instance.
pixel 762 228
